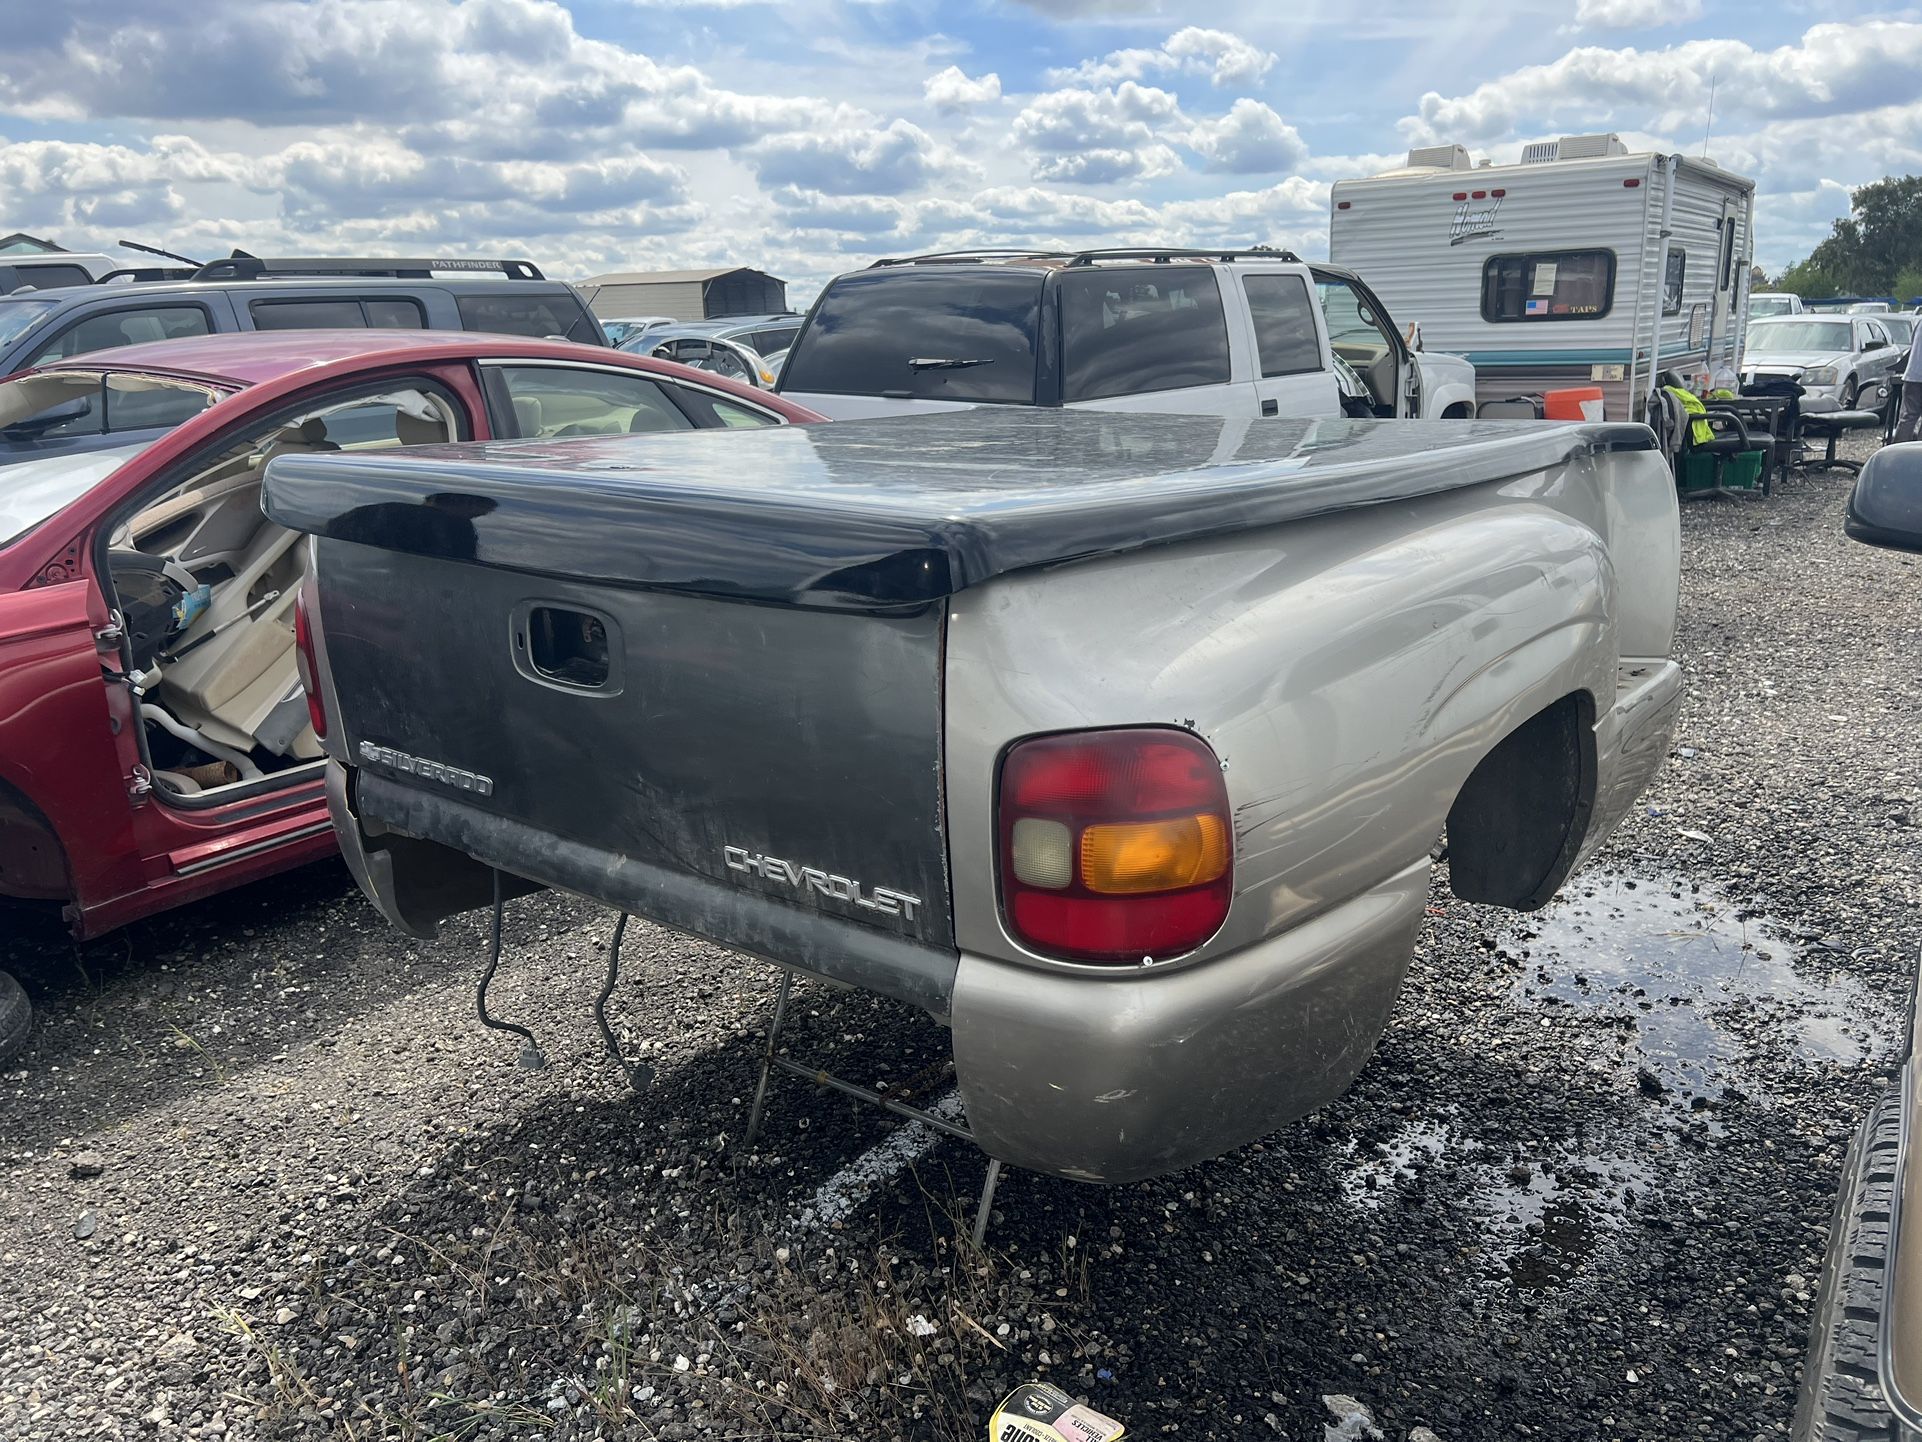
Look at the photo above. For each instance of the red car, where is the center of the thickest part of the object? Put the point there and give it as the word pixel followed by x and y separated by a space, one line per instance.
pixel 154 741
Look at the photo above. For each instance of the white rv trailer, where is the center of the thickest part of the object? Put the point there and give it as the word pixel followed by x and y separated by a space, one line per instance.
pixel 1581 265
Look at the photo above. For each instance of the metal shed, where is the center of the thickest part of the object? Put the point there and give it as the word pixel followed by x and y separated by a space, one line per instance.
pixel 685 294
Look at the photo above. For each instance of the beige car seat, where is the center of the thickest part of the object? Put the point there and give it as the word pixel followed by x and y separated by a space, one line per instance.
pixel 419 430
pixel 242 687
pixel 215 519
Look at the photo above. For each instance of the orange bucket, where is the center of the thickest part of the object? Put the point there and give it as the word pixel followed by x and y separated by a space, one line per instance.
pixel 1576 403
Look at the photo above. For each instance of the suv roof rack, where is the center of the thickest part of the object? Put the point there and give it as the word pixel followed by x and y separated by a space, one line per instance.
pixel 1176 252
pixel 252 267
pixel 1151 253
pixel 962 257
pixel 148 272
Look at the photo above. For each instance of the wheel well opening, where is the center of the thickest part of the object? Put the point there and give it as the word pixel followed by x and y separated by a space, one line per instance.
pixel 1518 822
pixel 1458 411
pixel 33 863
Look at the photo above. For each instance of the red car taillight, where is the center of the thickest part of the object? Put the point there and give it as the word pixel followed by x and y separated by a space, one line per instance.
pixel 1115 845
pixel 309 667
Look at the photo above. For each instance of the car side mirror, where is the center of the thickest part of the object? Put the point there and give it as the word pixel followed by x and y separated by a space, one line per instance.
pixel 1885 508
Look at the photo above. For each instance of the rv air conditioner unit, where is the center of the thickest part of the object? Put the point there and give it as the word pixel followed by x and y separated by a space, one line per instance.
pixel 1574 147
pixel 1439 157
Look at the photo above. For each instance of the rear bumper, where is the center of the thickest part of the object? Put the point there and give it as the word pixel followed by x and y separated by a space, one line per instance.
pixel 1115 1078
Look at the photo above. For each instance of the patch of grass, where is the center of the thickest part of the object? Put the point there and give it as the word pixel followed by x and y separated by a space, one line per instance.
pixel 193 1044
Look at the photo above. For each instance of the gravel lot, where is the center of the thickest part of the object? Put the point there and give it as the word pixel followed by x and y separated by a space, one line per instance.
pixel 263 1176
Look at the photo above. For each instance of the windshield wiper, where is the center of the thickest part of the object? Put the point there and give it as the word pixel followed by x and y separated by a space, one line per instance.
pixel 945 363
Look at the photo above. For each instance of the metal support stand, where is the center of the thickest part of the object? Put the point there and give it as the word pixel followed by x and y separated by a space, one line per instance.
pixel 531 1050
pixel 639 1074
pixel 987 1201
pixel 772 1062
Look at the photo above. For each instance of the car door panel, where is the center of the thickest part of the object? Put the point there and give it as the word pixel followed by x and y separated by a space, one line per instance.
pixel 1286 335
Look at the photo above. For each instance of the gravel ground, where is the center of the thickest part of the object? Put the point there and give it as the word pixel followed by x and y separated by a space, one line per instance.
pixel 263 1176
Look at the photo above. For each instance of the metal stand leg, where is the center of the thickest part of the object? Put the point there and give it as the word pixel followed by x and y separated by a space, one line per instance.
pixel 531 1050
pixel 639 1074
pixel 987 1201
pixel 767 1057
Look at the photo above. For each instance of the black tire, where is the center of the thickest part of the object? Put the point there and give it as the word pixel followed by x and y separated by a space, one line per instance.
pixel 16 1017
pixel 1851 393
pixel 1841 1398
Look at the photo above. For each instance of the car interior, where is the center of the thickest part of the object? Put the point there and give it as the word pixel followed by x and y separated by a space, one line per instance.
pixel 205 587
pixel 1363 350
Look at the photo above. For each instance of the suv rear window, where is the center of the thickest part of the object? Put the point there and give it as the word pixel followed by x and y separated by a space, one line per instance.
pixel 539 316
pixel 1129 331
pixel 925 333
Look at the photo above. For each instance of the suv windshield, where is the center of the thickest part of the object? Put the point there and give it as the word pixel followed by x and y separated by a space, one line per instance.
pixel 17 315
pixel 1781 337
pixel 925 333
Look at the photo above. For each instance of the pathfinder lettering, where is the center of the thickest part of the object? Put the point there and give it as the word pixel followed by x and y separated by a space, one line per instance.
pixel 811 878
pixel 430 770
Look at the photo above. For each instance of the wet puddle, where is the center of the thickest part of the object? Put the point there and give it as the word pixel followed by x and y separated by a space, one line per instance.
pixel 1698 984
pixel 1547 1225
pixel 1541 1223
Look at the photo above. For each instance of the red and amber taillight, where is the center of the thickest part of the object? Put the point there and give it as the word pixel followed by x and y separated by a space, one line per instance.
pixel 309 668
pixel 1115 845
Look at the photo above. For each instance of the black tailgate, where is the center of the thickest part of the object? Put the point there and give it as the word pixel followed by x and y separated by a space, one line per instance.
pixel 719 749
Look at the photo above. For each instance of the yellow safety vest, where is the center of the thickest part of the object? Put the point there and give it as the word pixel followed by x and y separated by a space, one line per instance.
pixel 1700 430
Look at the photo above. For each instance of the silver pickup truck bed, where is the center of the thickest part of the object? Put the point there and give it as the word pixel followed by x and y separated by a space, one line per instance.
pixel 792 664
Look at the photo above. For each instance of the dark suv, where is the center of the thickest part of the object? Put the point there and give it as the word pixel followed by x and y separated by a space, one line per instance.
pixel 510 297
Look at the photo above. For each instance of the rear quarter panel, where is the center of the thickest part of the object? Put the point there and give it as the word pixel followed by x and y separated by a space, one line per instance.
pixel 56 746
pixel 1350 671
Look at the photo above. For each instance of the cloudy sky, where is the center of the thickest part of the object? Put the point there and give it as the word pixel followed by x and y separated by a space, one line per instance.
pixel 809 136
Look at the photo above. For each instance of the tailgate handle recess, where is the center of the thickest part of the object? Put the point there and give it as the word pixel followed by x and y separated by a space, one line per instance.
pixel 571 648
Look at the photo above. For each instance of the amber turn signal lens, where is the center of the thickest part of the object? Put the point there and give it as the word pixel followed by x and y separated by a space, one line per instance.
pixel 1153 855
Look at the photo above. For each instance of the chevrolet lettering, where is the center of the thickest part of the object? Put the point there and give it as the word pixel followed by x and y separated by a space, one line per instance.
pixel 811 878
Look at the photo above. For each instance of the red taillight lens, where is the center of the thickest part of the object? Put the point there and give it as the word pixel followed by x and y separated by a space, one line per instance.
pixel 309 668
pixel 1115 845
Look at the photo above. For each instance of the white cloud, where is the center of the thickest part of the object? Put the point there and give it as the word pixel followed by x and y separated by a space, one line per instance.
pixel 1635 14
pixel 862 214
pixel 1228 59
pixel 952 90
pixel 1249 140
pixel 1098 136
pixel 1224 58
pixel 1832 69
pixel 867 161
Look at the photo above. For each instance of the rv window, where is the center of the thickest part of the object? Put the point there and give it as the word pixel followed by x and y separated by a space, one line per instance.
pixel 1726 275
pixel 1284 324
pixel 1672 281
pixel 1549 285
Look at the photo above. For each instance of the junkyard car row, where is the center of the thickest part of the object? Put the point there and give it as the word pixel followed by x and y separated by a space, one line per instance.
pixel 1095 652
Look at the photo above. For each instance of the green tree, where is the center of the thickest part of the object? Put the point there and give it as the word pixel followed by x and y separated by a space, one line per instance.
pixel 1870 250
